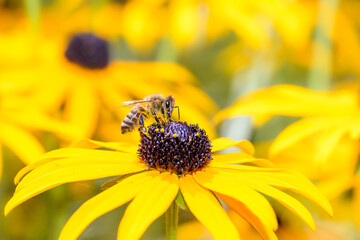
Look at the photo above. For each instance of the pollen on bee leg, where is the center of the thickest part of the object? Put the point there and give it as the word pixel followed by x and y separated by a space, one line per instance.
pixel 175 135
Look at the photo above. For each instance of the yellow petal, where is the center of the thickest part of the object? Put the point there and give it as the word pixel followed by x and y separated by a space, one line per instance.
pixel 21 142
pixel 40 121
pixel 237 158
pixel 57 154
pixel 125 160
pixel 150 203
pixel 207 209
pixel 104 202
pixel 328 142
pixel 119 146
pixel 241 168
pixel 193 230
pixel 157 72
pixel 203 101
pixel 296 132
pixel 227 185
pixel 289 100
pixel 67 170
pixel 223 143
pixel 292 181
pixel 288 201
pixel 265 231
pixel 82 107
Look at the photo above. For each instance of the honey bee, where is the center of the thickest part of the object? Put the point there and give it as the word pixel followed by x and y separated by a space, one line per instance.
pixel 155 105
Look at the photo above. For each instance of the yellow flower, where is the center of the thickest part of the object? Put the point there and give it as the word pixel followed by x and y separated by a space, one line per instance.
pixel 250 20
pixel 331 122
pixel 87 80
pixel 331 114
pixel 191 22
pixel 173 158
pixel 20 121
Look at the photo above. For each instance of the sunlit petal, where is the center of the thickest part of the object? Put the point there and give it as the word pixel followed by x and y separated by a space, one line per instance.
pixel 207 209
pixel 67 170
pixel 104 202
pixel 241 168
pixel 40 121
pixel 30 147
pixel 296 132
pixel 288 180
pixel 328 142
pixel 118 146
pixel 237 158
pixel 82 107
pixel 226 185
pixel 288 100
pixel 80 153
pixel 240 208
pixel 223 143
pixel 288 201
pixel 150 203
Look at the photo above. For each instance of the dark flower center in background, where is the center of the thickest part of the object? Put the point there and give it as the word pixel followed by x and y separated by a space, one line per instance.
pixel 175 147
pixel 88 51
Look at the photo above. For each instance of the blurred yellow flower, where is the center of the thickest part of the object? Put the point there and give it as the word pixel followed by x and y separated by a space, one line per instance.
pixel 78 83
pixel 331 114
pixel 172 156
pixel 190 22
pixel 331 125
pixel 21 121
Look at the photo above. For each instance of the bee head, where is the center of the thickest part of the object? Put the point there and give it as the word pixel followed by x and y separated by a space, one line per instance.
pixel 169 104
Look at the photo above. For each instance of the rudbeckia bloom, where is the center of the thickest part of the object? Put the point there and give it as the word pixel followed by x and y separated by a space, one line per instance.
pixel 331 121
pixel 190 23
pixel 172 159
pixel 86 79
pixel 21 122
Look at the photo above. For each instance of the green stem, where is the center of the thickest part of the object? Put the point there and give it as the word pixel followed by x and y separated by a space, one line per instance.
pixel 171 221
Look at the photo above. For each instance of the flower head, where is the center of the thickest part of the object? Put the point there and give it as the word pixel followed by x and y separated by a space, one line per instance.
pixel 149 182
pixel 88 50
pixel 177 148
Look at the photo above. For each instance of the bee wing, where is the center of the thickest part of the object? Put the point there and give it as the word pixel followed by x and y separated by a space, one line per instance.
pixel 129 103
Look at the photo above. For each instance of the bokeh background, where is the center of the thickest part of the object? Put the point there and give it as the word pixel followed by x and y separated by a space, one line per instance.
pixel 206 53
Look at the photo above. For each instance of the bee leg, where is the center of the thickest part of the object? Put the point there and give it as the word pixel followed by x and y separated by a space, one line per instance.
pixel 156 118
pixel 141 123
pixel 164 115
pixel 163 112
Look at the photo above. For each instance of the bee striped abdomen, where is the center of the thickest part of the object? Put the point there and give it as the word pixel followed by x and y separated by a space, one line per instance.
pixel 131 120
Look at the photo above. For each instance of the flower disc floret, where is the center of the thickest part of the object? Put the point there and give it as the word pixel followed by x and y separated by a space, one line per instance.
pixel 88 51
pixel 175 147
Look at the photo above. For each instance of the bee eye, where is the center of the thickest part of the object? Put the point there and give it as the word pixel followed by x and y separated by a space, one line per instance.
pixel 167 104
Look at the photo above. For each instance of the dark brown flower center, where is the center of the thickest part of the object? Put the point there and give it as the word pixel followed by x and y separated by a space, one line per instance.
pixel 88 51
pixel 175 147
